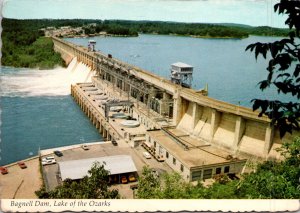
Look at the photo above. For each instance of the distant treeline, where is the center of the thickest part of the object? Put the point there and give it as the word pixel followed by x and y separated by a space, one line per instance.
pixel 123 27
pixel 24 46
pixel 196 29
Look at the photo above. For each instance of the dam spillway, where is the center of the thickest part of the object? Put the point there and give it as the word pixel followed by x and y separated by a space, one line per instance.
pixel 159 103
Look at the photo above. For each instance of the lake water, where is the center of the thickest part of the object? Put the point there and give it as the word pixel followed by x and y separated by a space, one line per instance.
pixel 231 73
pixel 38 111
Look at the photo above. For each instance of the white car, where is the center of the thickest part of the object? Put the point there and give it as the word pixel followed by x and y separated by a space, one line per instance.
pixel 85 147
pixel 49 158
pixel 48 161
pixel 147 155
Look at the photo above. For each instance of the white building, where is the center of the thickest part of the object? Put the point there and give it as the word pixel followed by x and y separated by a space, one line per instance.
pixel 182 74
pixel 77 169
pixel 193 159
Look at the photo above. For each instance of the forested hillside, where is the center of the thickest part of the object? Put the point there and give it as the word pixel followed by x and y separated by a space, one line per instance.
pixel 23 45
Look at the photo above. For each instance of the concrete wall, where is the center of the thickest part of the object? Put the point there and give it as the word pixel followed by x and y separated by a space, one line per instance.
pixel 95 117
pixel 233 168
pixel 169 159
pixel 232 127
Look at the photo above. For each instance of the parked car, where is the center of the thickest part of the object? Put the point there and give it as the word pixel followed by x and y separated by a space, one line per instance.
pixel 124 179
pixel 85 147
pixel 22 165
pixel 58 153
pixel 50 158
pixel 3 170
pixel 48 161
pixel 114 143
pixel 131 178
pixel 147 155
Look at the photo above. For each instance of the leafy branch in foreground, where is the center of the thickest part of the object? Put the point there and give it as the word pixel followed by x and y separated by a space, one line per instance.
pixel 283 71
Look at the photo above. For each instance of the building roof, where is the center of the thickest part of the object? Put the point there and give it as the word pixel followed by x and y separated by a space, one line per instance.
pixel 198 156
pixel 182 65
pixel 77 169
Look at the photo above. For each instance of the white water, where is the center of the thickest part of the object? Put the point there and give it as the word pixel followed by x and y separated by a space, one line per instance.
pixel 32 82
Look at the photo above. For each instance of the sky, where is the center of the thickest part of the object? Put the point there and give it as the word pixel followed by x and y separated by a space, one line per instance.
pixel 250 12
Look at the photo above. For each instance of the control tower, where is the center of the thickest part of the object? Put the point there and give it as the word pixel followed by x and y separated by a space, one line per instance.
pixel 91 45
pixel 182 74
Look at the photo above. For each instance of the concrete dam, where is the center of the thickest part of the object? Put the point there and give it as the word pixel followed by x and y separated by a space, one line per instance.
pixel 168 111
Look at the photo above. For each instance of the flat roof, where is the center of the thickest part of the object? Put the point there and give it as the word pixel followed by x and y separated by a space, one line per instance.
pixel 116 124
pixel 77 169
pixel 182 65
pixel 196 156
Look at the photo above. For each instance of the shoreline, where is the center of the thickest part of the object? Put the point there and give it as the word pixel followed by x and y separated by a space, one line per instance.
pixel 170 34
pixel 50 151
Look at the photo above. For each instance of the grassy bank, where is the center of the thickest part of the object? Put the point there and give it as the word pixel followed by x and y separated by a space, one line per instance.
pixel 39 54
pixel 23 45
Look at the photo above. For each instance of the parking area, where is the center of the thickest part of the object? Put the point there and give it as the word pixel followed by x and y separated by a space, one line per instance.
pixel 51 173
pixel 21 183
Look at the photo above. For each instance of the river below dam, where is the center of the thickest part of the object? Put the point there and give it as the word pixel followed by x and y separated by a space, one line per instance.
pixel 37 111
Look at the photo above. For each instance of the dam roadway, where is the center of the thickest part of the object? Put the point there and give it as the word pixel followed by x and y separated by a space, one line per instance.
pixel 160 103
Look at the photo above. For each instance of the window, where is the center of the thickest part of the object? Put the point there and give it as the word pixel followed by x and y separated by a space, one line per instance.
pixel 196 175
pixel 207 173
pixel 218 170
pixel 226 169
pixel 181 168
pixel 154 143
pixel 174 161
pixel 167 154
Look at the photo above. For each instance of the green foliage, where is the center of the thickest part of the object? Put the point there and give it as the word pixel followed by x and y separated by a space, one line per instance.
pixel 222 191
pixel 173 187
pixel 167 186
pixel 94 186
pixel 283 71
pixel 148 185
pixel 24 46
pixel 276 179
pixel 39 54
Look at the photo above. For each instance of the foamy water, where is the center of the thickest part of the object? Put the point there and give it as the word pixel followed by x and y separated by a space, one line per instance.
pixel 37 112
pixel 33 82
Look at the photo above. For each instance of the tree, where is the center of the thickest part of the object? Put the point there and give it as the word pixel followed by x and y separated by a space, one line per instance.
pixel 273 179
pixel 285 57
pixel 166 186
pixel 94 186
pixel 148 185
pixel 174 187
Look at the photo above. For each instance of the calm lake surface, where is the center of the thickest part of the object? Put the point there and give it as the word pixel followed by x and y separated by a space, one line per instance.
pixel 38 111
pixel 231 73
